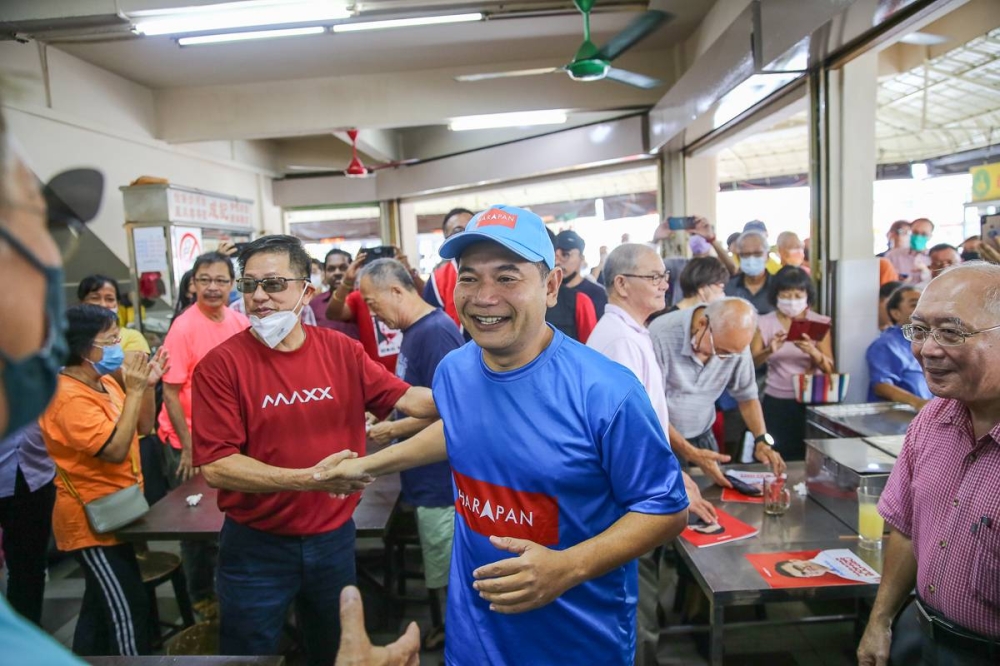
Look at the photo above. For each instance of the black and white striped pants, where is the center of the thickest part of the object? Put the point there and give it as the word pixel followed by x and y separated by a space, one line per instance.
pixel 114 616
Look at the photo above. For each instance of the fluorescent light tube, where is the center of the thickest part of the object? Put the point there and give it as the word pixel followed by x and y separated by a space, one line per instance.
pixel 237 15
pixel 243 36
pixel 518 119
pixel 407 22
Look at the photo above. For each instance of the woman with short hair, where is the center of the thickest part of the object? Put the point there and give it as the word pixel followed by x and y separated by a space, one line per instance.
pixel 103 291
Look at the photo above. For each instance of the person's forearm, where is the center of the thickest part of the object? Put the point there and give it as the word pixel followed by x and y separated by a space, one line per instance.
pixel 753 416
pixel 336 308
pixel 760 357
pixel 147 414
pixel 248 475
pixel 629 537
pixel 408 427
pixel 896 394
pixel 418 402
pixel 681 447
pixel 117 448
pixel 424 448
pixel 899 575
pixel 724 257
pixel 172 403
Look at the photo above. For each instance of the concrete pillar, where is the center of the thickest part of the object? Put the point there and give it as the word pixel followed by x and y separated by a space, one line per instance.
pixel 408 232
pixel 846 174
pixel 701 186
pixel 671 168
pixel 388 222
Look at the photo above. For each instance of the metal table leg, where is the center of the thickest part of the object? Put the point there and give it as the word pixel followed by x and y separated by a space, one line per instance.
pixel 716 623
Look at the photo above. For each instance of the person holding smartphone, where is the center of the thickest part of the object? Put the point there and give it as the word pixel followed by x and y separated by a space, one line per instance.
pixel 792 294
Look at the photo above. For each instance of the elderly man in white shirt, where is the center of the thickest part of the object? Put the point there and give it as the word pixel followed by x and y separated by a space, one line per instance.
pixel 636 284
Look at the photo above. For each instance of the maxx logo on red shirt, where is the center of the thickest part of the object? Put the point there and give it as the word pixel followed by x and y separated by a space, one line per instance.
pixel 492 510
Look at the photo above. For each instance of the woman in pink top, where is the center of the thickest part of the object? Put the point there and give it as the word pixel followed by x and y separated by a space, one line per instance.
pixel 792 293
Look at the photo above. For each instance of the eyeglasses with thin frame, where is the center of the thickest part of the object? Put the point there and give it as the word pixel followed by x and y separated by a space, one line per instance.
pixel 946 337
pixel 271 285
pixel 655 278
pixel 711 341
pixel 205 281
pixel 110 343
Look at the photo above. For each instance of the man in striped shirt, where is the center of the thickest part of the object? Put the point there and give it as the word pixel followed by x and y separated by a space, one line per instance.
pixel 942 501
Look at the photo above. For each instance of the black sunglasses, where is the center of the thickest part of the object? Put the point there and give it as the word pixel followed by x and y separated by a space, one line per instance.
pixel 271 285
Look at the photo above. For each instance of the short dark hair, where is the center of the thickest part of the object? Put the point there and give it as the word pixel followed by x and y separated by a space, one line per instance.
pixel 316 262
pixel 733 237
pixel 210 258
pixel 940 247
pixel 336 251
pixel 92 283
pixel 896 298
pixel 452 213
pixel 298 258
pixel 885 291
pixel 897 225
pixel 84 323
pixel 701 272
pixel 791 277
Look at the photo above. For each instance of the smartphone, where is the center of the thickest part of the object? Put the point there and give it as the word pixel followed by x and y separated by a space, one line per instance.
pixel 681 223
pixel 745 488
pixel 991 230
pixel 379 252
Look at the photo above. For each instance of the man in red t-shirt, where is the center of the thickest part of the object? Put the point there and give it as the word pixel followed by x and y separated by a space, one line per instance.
pixel 273 406
pixel 381 342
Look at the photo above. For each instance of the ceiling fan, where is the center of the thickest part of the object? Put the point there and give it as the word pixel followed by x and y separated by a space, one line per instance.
pixel 594 64
pixel 355 168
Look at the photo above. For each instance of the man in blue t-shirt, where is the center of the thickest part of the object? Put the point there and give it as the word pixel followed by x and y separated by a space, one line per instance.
pixel 428 336
pixel 562 473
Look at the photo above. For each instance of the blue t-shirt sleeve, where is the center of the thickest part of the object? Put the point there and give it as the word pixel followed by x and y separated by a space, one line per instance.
pixel 429 295
pixel 645 476
pixel 882 365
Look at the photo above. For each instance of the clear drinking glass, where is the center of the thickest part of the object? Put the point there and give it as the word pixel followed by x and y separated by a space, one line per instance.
pixel 777 498
pixel 870 524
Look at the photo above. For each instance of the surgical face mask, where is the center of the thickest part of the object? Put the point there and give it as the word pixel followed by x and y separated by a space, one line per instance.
pixel 699 246
pixel 316 281
pixel 753 266
pixel 918 242
pixel 111 359
pixel 276 327
pixel 30 382
pixel 791 307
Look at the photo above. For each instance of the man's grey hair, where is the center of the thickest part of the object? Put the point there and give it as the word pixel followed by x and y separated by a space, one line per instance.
pixel 991 275
pixel 732 314
pixel 750 234
pixel 384 273
pixel 622 260
pixel 788 239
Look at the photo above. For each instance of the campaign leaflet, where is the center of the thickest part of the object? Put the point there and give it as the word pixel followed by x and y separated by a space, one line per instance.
pixel 728 528
pixel 751 478
pixel 813 568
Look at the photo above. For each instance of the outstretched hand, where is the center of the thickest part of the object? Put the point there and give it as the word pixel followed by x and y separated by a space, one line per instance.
pixel 340 474
pixel 536 577
pixel 356 648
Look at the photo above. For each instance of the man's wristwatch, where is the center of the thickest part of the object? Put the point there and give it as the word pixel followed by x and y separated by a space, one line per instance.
pixel 766 438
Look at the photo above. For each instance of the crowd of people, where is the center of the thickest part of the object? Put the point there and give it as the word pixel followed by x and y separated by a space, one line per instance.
pixel 544 419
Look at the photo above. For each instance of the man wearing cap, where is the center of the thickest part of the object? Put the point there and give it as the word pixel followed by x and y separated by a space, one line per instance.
pixel 562 472
pixel 569 257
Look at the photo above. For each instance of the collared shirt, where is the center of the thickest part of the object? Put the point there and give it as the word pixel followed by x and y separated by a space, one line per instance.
pixel 944 493
pixel 25 449
pixel 910 264
pixel 622 339
pixel 692 387
pixel 891 361
pixel 737 287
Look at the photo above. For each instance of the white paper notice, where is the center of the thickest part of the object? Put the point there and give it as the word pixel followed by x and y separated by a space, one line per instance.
pixel 150 250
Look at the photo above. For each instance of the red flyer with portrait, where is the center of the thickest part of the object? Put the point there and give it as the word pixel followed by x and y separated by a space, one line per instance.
pixel 727 529
pixel 813 568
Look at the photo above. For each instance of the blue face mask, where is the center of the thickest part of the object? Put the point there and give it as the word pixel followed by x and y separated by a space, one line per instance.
pixel 30 382
pixel 111 360
pixel 753 266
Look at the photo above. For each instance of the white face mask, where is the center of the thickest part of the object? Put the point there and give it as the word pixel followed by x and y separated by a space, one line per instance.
pixel 276 327
pixel 791 307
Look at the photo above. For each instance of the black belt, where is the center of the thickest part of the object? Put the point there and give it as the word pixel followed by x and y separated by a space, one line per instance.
pixel 943 632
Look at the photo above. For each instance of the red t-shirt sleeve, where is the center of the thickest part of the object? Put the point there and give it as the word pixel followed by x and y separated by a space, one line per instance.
pixel 586 317
pixel 215 407
pixel 354 301
pixel 382 389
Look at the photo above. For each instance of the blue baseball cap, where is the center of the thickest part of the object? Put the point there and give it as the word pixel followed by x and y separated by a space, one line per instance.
pixel 520 231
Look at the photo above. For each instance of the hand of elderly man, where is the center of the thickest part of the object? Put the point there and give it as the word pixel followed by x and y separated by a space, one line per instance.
pixel 536 577
pixel 873 650
pixel 340 474
pixel 356 648
pixel 708 461
pixel 382 433
pixel 697 504
pixel 767 455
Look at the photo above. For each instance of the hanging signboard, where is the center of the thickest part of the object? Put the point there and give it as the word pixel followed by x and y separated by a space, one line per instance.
pixel 204 208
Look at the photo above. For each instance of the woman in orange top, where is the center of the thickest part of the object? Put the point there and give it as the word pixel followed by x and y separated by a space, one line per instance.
pixel 90 431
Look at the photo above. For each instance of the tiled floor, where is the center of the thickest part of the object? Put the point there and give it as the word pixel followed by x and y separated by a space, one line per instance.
pixel 781 645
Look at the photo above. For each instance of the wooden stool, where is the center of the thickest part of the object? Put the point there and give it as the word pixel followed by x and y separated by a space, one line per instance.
pixel 158 567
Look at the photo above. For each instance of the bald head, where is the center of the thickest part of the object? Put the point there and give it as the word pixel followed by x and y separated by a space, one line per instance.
pixel 975 285
pixel 733 321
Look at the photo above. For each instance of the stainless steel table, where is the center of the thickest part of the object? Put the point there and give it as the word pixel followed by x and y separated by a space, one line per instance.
pixel 728 579
pixel 864 420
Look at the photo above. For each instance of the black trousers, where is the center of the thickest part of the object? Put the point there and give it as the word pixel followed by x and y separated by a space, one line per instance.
pixel 786 421
pixel 114 615
pixel 911 647
pixel 26 520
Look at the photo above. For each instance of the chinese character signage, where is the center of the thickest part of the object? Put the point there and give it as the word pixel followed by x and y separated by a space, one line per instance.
pixel 205 208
